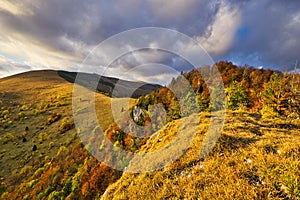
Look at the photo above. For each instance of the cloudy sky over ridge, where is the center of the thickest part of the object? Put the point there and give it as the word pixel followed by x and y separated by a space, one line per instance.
pixel 59 34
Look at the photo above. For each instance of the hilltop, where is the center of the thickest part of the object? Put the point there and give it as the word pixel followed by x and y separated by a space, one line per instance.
pixel 108 85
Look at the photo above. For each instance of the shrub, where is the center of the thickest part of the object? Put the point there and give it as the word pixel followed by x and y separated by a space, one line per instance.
pixel 51 144
pixel 54 195
pixel 268 113
pixel 39 171
pixel 65 125
pixel 43 137
pixel 49 190
pixel 2 189
pixel 69 141
pixel 8 137
pixel 35 112
pixel 76 181
pixel 5 112
pixel 40 196
pixel 22 114
pixel 53 118
pixel 67 188
pixel 31 183
pixel 26 169
pixel 23 108
pixel 43 106
pixel 57 104
pixel 62 149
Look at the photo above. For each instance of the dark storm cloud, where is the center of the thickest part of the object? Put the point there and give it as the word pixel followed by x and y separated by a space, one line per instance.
pixel 152 56
pixel 92 21
pixel 268 35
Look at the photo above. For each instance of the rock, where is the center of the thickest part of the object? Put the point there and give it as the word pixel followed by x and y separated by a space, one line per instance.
pixel 137 112
pixel 248 161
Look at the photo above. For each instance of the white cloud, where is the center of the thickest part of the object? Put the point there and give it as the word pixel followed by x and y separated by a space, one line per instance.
pixel 15 7
pixel 222 30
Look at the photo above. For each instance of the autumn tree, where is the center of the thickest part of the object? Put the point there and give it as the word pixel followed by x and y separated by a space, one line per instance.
pixel 275 95
pixel 236 96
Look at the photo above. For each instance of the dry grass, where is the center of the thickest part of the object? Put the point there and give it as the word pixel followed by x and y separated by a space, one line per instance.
pixel 253 159
pixel 40 96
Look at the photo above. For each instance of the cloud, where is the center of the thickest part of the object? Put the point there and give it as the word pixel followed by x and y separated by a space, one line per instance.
pixel 15 8
pixel 11 66
pixel 221 32
pixel 59 34
pixel 268 35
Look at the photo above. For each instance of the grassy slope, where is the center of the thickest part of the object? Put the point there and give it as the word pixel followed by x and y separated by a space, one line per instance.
pixel 227 173
pixel 37 96
pixel 34 91
pixel 254 159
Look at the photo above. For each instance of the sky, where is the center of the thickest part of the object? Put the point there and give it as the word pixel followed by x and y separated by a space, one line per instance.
pixel 60 34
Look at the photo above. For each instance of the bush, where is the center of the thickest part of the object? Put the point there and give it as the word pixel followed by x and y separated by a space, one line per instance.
pixel 35 112
pixel 8 137
pixel 40 196
pixel 62 149
pixel 23 108
pixel 51 144
pixel 53 118
pixel 67 188
pixel 31 183
pixel 26 169
pixel 2 189
pixel 39 171
pixel 65 125
pixel 22 114
pixel 5 112
pixel 54 195
pixel 43 137
pixel 43 106
pixel 268 113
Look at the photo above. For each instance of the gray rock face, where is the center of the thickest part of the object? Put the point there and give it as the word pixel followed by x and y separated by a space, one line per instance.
pixel 137 113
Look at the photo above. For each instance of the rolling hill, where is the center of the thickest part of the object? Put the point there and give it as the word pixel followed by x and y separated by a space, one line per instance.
pixel 108 85
pixel 42 156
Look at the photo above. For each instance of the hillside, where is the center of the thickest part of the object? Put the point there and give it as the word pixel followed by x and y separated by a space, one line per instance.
pixel 36 112
pixel 256 156
pixel 253 159
pixel 110 86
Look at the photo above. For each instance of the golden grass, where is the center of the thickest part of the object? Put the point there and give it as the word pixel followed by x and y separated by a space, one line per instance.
pixel 39 95
pixel 253 159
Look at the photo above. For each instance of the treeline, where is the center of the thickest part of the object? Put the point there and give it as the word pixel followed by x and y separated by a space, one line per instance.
pixel 272 93
pixel 267 92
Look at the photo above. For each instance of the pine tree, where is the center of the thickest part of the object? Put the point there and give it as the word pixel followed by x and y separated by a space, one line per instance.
pixel 275 95
pixel 236 96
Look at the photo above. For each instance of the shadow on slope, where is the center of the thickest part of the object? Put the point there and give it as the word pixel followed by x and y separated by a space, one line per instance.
pixel 107 85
